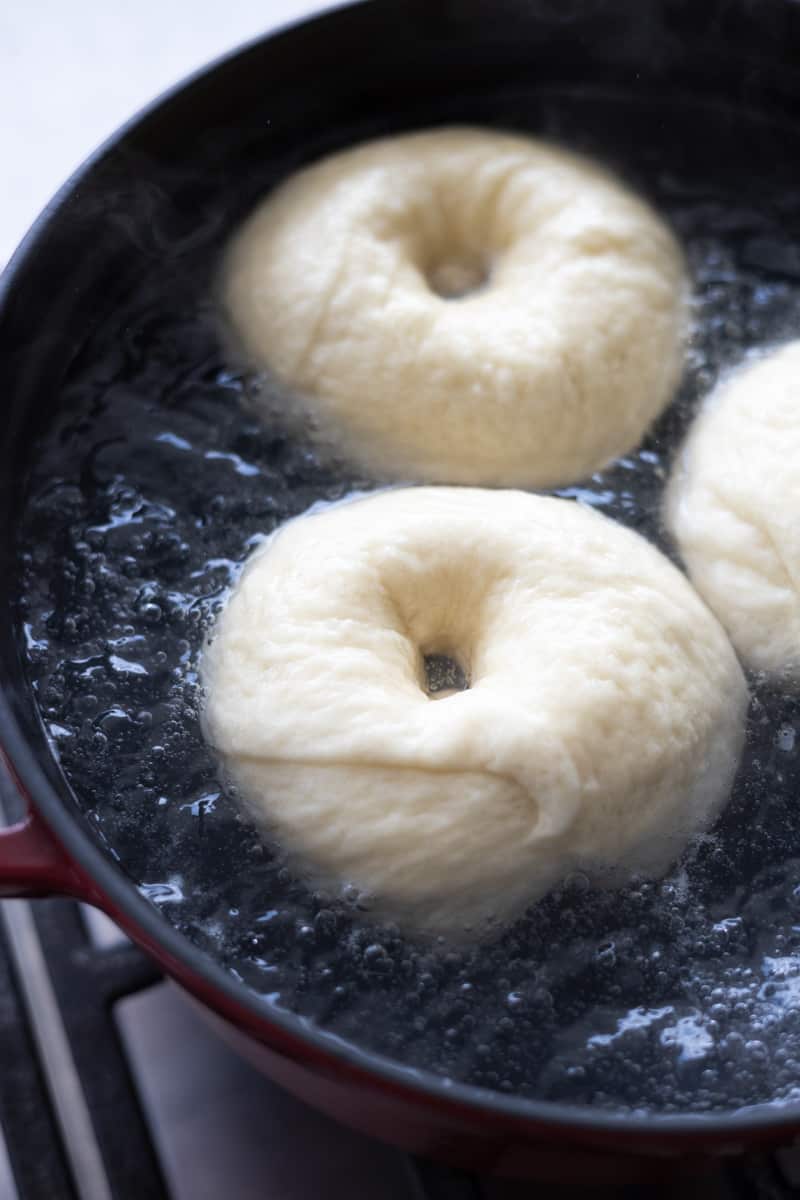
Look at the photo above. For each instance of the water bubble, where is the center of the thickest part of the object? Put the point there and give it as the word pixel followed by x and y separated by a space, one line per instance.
pixel 374 952
pixel 785 738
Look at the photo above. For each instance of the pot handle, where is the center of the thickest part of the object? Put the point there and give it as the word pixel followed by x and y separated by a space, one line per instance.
pixel 33 864
pixel 32 860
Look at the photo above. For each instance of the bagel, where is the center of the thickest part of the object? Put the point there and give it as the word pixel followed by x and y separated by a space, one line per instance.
pixel 601 726
pixel 733 507
pixel 463 306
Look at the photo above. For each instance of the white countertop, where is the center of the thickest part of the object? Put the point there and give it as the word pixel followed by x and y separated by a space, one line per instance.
pixel 71 71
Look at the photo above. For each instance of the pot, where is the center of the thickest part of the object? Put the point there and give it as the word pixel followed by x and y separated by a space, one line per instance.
pixel 368 67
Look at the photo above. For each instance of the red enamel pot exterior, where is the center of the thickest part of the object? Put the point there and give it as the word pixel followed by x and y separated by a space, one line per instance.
pixel 348 61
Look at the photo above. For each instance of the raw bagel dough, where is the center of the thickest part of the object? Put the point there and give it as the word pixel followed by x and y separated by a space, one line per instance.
pixel 733 506
pixel 566 346
pixel 601 727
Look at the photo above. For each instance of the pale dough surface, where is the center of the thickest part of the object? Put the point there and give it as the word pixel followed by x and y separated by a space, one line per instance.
pixel 601 727
pixel 733 506
pixel 555 366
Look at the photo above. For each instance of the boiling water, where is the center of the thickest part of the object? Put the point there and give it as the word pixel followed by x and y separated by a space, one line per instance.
pixel 148 492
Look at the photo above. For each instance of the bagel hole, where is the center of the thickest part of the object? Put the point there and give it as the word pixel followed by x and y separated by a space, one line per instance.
pixel 444 676
pixel 455 278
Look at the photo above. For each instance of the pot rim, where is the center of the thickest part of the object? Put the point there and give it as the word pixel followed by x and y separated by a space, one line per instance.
pixel 638 1131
